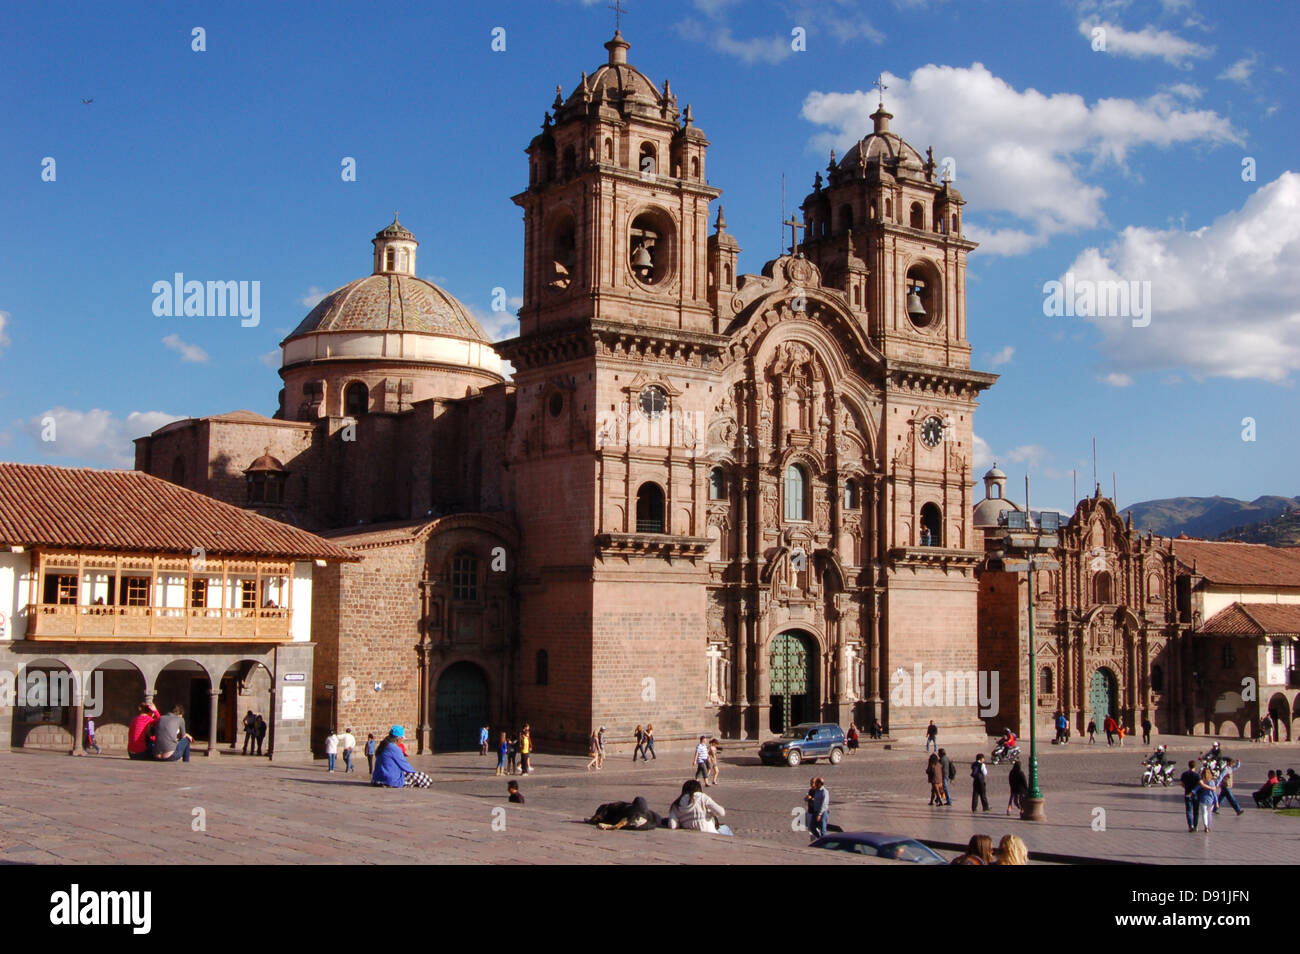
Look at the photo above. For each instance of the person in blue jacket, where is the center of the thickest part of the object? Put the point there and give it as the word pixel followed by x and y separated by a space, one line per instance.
pixel 391 768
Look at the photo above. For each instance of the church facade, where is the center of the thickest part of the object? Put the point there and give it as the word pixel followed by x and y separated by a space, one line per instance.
pixel 718 503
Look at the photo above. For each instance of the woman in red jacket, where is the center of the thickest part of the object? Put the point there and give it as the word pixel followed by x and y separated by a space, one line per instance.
pixel 139 745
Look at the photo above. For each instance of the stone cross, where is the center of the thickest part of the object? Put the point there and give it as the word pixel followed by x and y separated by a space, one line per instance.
pixel 619 10
pixel 794 238
pixel 880 85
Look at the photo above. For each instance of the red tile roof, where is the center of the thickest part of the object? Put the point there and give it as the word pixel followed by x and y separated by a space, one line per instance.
pixel 80 508
pixel 1255 619
pixel 1247 564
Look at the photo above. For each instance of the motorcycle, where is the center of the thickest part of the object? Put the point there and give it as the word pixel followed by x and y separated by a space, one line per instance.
pixel 1153 773
pixel 1215 764
pixel 1003 754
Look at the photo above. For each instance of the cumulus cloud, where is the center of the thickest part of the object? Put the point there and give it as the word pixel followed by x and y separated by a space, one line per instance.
pixel 1239 72
pixel 983 455
pixel 1223 296
pixel 94 436
pixel 271 359
pixel 1002 356
pixel 4 321
pixel 187 351
pixel 1117 379
pixel 1145 43
pixel 843 21
pixel 499 325
pixel 1023 159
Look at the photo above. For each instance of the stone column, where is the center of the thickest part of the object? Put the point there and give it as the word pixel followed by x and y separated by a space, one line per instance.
pixel 213 696
pixel 78 724
pixel 425 732
pixel 762 687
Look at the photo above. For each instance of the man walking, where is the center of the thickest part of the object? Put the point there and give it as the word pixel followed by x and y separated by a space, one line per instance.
pixel 819 809
pixel 347 742
pixel 949 773
pixel 1191 782
pixel 702 760
pixel 261 732
pixel 600 748
pixel 483 740
pixel 979 774
pixel 1146 730
pixel 250 731
pixel 1225 784
pixel 1062 723
pixel 932 736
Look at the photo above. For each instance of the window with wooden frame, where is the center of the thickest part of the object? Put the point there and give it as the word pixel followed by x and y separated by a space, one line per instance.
pixel 248 594
pixel 135 589
pixel 464 577
pixel 198 593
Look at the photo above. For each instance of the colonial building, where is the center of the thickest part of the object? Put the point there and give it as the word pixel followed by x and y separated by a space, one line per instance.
pixel 117 588
pixel 716 502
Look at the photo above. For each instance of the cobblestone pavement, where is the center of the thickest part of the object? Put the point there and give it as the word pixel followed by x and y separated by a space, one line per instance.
pixel 56 809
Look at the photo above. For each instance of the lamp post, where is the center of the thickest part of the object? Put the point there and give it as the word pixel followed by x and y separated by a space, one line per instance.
pixel 1025 546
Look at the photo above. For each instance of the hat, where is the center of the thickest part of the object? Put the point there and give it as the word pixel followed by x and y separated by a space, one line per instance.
pixel 398 732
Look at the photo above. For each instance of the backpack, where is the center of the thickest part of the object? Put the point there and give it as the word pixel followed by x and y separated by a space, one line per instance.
pixel 975 770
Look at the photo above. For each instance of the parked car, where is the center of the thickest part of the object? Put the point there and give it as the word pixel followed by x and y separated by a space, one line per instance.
pixel 806 742
pixel 877 844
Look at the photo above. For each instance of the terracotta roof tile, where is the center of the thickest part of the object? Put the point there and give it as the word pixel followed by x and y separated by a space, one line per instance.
pixel 1254 619
pixel 77 507
pixel 1249 564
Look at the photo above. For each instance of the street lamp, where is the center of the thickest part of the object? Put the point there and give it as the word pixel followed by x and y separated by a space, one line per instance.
pixel 1026 547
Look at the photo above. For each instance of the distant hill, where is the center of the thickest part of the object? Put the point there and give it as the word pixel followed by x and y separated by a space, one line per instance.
pixel 1208 517
pixel 1282 531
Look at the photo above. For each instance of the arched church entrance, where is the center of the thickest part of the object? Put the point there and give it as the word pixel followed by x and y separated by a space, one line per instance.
pixel 1103 696
pixel 793 680
pixel 460 708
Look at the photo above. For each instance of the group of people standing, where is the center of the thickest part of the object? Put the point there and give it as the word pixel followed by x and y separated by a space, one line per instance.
pixel 512 749
pixel 254 732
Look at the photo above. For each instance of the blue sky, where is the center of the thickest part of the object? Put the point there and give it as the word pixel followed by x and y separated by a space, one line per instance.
pixel 1117 164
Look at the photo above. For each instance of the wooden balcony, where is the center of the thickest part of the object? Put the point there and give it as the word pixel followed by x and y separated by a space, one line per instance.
pixel 157 623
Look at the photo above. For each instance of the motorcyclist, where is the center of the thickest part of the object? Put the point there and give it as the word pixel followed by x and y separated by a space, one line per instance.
pixel 1215 754
pixel 1006 743
pixel 1159 757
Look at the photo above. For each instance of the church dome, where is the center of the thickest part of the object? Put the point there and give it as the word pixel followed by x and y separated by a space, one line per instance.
pixel 882 148
pixel 392 302
pixel 619 84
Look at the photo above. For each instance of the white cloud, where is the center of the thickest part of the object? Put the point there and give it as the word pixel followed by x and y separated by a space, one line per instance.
pixel 757 49
pixel 843 21
pixel 1031 454
pixel 1239 72
pixel 1117 379
pixel 1223 297
pixel 4 339
pixel 499 325
pixel 983 455
pixel 313 297
pixel 1023 158
pixel 1147 42
pixel 95 436
pixel 187 351
pixel 1002 356
pixel 271 359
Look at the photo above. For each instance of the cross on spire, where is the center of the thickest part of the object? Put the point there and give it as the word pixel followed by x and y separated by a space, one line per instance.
pixel 619 10
pixel 794 237
pixel 880 85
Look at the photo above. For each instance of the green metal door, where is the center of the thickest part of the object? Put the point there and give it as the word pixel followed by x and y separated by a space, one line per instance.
pixel 793 681
pixel 1101 696
pixel 460 708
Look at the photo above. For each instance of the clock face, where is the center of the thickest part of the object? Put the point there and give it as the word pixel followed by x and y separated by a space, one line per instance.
pixel 653 402
pixel 932 431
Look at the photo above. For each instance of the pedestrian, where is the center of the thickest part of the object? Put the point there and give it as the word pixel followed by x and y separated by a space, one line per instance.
pixel 1207 797
pixel 877 730
pixel 525 750
pixel 695 811
pixel 932 736
pixel 934 775
pixel 714 750
pixel 1108 724
pixel 250 731
pixel 949 768
pixel 1092 731
pixel 1225 784
pixel 978 852
pixel 979 774
pixel 140 734
pixel 852 738
pixel 600 748
pixel 819 809
pixel 1146 730
pixel 593 749
pixel 1019 787
pixel 370 754
pixel 483 740
pixel 1062 723
pixel 347 742
pixel 515 795
pixel 172 742
pixel 639 736
pixel 702 760
pixel 1011 851
pixel 1121 730
pixel 1191 780
pixel 260 729
pixel 331 748
pixel 512 755
pixel 649 742
pixel 1266 727
pixel 503 746
pixel 391 768
pixel 90 742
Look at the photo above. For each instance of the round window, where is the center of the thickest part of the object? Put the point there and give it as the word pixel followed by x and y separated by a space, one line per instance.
pixel 653 402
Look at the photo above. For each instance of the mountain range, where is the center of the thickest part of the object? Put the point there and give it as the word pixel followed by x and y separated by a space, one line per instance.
pixel 1267 519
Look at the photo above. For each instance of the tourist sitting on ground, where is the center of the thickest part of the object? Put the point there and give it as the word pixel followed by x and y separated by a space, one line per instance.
pixel 695 811
pixel 391 768
pixel 515 795
pixel 1011 851
pixel 634 816
pixel 171 741
pixel 139 738
pixel 978 852
pixel 852 738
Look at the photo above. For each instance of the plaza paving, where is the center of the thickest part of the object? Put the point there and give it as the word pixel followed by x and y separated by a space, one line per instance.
pixel 102 809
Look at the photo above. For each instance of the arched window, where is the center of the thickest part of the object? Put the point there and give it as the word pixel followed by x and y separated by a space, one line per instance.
pixel 889 210
pixel 852 500
pixel 931 526
pixel 796 493
pixel 356 399
pixel 390 259
pixel 717 484
pixel 918 216
pixel 609 150
pixel 649 161
pixel 650 509
pixel 1157 679
pixel 564 254
pixel 1045 681
pixel 543 668
pixel 1101 588
pixel 464 577
pixel 695 167
pixel 650 247
pixel 726 274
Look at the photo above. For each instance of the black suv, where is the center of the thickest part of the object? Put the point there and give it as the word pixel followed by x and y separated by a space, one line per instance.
pixel 806 742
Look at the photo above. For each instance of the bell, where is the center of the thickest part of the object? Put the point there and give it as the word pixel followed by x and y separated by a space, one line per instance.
pixel 642 264
pixel 915 310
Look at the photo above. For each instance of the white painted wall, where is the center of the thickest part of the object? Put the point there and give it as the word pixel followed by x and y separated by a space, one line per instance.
pixel 1219 598
pixel 15 580
pixel 301 622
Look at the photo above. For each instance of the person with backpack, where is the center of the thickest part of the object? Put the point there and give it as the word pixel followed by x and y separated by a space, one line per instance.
pixel 979 774
pixel 949 770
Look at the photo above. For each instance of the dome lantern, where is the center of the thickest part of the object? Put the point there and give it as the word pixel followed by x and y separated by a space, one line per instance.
pixel 395 248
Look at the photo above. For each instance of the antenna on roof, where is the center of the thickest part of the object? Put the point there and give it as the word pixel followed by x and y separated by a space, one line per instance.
pixel 1094 464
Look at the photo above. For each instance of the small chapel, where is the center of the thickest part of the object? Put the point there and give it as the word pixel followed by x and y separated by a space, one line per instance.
pixel 719 503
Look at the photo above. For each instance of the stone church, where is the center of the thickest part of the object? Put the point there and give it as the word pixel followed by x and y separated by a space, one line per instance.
pixel 715 502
